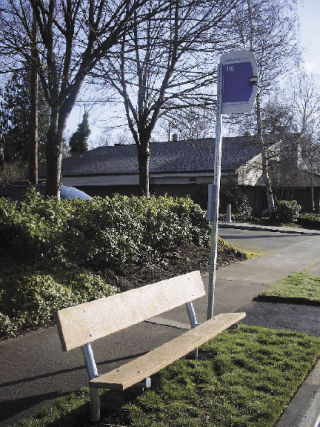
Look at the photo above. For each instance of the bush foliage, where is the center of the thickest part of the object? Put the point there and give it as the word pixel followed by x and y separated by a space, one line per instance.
pixel 240 206
pixel 30 298
pixel 288 211
pixel 104 231
pixel 310 220
pixel 12 172
pixel 49 248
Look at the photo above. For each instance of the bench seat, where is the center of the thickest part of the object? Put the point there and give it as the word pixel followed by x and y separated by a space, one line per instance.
pixel 82 324
pixel 144 366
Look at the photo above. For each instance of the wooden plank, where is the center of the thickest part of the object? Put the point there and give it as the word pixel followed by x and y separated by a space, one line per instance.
pixel 90 321
pixel 137 370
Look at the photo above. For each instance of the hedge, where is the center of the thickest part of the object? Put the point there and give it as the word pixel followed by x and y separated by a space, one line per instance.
pixel 98 232
pixel 51 252
pixel 310 220
pixel 30 298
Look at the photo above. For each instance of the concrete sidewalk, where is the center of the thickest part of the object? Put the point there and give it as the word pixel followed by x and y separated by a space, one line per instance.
pixel 34 370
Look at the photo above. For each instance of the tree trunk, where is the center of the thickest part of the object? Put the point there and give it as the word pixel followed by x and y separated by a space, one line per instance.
pixel 34 86
pixel 54 152
pixel 264 158
pixel 312 195
pixel 144 169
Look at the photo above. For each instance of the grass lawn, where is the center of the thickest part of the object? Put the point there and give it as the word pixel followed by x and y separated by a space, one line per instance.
pixel 244 377
pixel 301 287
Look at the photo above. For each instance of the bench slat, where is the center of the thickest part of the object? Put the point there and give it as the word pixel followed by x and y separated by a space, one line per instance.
pixel 84 323
pixel 138 369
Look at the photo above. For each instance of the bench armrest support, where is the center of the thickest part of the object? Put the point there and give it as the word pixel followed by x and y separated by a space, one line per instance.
pixel 92 373
pixel 192 315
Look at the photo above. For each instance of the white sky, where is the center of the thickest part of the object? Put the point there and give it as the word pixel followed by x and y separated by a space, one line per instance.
pixel 309 14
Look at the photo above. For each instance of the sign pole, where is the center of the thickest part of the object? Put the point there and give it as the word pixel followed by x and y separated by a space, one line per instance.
pixel 215 197
pixel 236 91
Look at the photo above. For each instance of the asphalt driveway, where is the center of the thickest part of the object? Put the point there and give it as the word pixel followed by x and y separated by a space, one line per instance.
pixel 260 240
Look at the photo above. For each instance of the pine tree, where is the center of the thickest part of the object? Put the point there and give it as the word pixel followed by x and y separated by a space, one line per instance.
pixel 79 140
pixel 15 119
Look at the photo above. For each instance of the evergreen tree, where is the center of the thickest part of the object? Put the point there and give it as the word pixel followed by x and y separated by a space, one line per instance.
pixel 15 119
pixel 79 140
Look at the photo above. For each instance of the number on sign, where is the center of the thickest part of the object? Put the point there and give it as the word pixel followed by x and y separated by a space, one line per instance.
pixel 230 68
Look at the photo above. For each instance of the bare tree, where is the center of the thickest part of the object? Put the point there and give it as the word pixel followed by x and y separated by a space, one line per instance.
pixel 34 121
pixel 268 28
pixel 73 35
pixel 304 102
pixel 190 123
pixel 166 64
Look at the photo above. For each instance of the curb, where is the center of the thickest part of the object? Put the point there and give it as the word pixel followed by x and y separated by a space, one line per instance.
pixel 286 230
pixel 304 408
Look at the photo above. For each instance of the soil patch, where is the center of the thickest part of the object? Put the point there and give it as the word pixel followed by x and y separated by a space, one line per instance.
pixel 184 259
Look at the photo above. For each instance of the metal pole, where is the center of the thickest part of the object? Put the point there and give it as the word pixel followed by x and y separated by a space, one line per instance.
pixel 215 201
pixel 194 323
pixel 192 315
pixel 92 373
pixel 228 216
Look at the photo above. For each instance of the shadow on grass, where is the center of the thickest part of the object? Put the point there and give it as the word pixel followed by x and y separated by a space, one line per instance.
pixel 112 413
pixel 286 300
pixel 10 408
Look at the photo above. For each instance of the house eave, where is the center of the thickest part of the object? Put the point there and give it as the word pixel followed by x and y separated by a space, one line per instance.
pixel 131 179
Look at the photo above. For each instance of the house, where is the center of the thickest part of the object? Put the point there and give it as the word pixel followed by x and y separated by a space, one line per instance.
pixel 179 168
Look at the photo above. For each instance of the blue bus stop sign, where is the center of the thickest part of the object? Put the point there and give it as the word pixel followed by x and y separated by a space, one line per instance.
pixel 236 92
pixel 239 81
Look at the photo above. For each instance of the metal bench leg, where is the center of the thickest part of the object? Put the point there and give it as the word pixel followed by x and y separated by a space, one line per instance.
pixel 92 373
pixel 94 404
pixel 143 385
pixel 193 322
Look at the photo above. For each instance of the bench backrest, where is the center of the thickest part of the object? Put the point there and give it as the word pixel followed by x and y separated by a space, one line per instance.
pixel 84 323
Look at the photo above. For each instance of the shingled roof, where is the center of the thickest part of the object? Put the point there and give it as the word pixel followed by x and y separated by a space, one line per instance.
pixel 166 157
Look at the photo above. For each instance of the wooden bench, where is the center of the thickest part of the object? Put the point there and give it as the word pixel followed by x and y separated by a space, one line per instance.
pixel 80 325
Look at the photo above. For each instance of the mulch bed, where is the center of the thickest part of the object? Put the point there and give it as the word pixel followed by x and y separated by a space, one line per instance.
pixel 182 260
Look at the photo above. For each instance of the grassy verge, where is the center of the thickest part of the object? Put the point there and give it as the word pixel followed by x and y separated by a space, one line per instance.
pixel 302 287
pixel 242 378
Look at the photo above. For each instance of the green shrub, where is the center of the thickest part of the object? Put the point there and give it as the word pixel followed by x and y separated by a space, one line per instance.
pixel 310 220
pixel 32 230
pixel 31 299
pixel 96 233
pixel 47 248
pixel 240 206
pixel 288 211
pixel 13 172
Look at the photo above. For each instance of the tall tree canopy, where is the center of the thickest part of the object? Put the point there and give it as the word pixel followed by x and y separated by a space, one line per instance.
pixel 73 35
pixel 15 118
pixel 166 64
pixel 268 28
pixel 304 105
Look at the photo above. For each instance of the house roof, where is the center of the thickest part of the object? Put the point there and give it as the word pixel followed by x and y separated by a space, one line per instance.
pixel 166 157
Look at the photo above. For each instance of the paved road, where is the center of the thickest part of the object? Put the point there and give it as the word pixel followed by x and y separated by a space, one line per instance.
pixel 294 317
pixel 260 240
